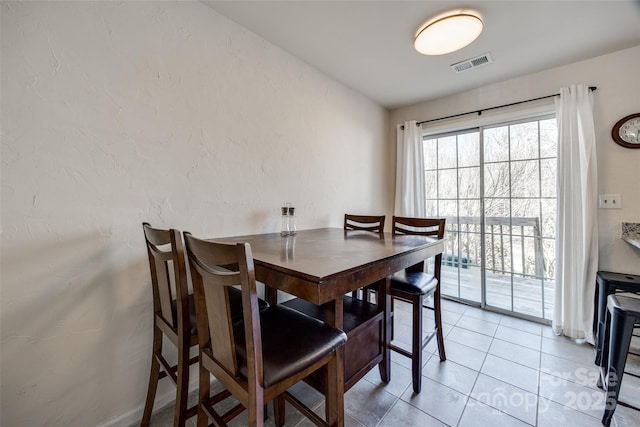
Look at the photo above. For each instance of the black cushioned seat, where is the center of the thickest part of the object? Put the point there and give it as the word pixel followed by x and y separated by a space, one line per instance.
pixel 235 302
pixel 414 282
pixel 192 314
pixel 282 356
pixel 363 323
pixel 355 311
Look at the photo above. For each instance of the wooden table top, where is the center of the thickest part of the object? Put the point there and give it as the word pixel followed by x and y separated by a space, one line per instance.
pixel 320 255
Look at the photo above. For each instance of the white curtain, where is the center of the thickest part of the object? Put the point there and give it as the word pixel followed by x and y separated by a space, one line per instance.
pixel 577 221
pixel 410 194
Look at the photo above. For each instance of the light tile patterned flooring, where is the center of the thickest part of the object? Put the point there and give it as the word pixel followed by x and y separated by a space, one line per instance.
pixel 500 371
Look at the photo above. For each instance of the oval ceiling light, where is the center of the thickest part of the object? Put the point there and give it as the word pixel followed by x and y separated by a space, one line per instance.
pixel 448 32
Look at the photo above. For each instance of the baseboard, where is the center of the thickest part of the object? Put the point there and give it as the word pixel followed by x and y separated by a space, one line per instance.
pixel 134 416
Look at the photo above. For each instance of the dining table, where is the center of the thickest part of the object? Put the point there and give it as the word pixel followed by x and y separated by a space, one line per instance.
pixel 322 265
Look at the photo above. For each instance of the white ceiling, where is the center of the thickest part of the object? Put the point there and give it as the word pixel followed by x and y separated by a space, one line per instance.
pixel 368 44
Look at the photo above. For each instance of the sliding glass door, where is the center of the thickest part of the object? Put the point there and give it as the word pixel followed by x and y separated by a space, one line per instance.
pixel 496 187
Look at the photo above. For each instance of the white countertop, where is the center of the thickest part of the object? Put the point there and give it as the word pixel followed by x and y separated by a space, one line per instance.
pixel 632 240
pixel 631 233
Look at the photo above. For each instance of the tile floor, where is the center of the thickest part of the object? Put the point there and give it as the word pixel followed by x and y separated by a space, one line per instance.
pixel 500 371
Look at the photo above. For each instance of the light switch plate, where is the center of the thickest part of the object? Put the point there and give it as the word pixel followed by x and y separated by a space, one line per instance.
pixel 610 201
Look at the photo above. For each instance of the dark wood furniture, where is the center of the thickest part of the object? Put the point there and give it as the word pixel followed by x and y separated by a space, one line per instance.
pixel 414 285
pixel 174 317
pixel 372 223
pixel 321 266
pixel 608 283
pixel 363 322
pixel 623 313
pixel 260 356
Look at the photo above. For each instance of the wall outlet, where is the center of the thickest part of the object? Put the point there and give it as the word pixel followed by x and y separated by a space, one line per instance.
pixel 609 201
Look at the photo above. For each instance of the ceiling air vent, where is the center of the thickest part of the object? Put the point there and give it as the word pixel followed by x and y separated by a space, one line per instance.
pixel 476 62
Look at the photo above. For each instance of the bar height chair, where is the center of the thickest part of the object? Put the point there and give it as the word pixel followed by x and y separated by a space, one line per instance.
pixel 608 283
pixel 623 313
pixel 174 317
pixel 414 285
pixel 260 356
pixel 372 223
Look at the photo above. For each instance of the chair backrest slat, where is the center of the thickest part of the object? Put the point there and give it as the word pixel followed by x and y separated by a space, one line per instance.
pixel 219 319
pixel 371 223
pixel 419 226
pixel 166 264
pixel 165 290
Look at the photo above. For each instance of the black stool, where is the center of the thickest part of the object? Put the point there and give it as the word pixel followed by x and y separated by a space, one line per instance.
pixel 609 283
pixel 623 313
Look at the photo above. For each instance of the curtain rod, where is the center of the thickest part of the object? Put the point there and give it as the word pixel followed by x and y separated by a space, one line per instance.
pixel 479 112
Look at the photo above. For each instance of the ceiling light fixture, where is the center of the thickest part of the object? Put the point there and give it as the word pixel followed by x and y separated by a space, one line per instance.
pixel 448 32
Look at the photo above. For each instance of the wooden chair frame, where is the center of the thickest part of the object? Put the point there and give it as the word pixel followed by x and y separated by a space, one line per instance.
pixel 170 319
pixel 372 223
pixel 423 227
pixel 217 351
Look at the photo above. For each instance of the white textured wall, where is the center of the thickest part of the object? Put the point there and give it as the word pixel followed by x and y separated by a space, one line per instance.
pixel 618 95
pixel 118 113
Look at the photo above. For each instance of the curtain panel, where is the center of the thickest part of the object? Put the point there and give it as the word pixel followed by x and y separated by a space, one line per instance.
pixel 577 222
pixel 410 188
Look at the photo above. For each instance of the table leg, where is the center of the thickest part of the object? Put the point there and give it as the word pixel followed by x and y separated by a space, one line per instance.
pixel 335 370
pixel 271 295
pixel 384 293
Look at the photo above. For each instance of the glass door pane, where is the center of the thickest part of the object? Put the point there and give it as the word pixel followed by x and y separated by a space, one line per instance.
pixel 519 215
pixel 452 177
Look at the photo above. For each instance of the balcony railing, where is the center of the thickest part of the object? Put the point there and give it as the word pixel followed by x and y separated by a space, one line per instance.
pixel 516 279
pixel 506 238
